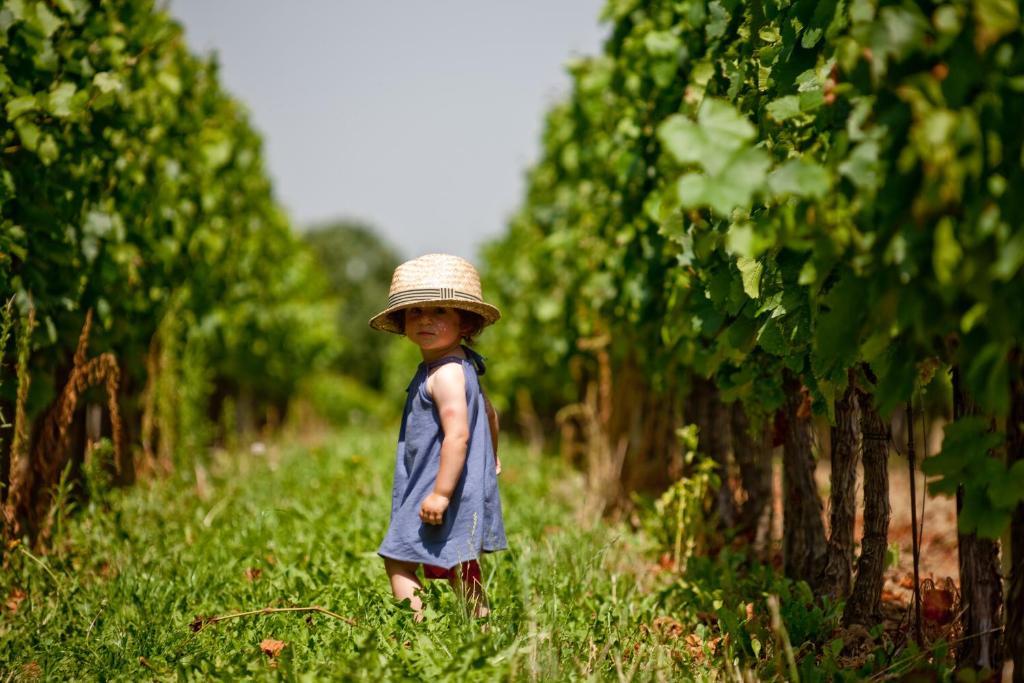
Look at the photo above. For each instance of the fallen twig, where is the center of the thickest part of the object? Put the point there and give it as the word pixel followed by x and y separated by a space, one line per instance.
pixel 201 622
pixel 146 664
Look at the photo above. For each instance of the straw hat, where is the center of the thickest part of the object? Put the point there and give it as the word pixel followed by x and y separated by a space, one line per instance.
pixel 437 279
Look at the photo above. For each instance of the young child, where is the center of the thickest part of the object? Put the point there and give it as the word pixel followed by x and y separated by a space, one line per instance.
pixel 445 508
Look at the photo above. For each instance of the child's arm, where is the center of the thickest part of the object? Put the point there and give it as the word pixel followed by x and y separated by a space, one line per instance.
pixel 447 386
pixel 492 420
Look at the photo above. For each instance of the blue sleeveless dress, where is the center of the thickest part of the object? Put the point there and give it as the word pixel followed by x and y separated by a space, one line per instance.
pixel 472 523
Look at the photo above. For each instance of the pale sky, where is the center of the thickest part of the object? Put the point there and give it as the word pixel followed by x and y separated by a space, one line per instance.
pixel 417 117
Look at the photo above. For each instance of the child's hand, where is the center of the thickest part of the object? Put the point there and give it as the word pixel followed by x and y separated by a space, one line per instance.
pixel 432 508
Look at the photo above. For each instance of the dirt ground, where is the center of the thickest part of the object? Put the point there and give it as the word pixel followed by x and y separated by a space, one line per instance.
pixel 938 536
pixel 938 562
pixel 936 514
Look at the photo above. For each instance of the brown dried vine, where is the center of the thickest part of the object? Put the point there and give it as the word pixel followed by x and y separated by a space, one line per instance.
pixel 593 418
pixel 150 461
pixel 50 453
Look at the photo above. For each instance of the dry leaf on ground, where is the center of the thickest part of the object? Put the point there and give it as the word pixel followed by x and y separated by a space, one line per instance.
pixel 14 599
pixel 697 647
pixel 271 647
pixel 30 672
pixel 938 603
pixel 666 562
pixel 667 627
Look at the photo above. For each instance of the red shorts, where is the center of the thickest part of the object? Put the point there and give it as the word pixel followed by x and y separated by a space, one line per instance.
pixel 470 572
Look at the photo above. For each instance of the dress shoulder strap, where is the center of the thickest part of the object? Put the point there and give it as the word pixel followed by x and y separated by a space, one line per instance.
pixel 444 360
pixel 476 359
pixel 472 356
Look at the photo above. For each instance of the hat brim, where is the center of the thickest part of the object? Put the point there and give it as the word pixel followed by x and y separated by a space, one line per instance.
pixel 385 320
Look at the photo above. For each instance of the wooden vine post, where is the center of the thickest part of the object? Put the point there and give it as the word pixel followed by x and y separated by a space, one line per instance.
pixel 916 551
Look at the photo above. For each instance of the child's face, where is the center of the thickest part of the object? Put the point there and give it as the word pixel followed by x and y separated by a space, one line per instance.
pixel 433 327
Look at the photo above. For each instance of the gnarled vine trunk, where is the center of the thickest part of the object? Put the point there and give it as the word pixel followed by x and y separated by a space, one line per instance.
pixel 843 498
pixel 803 539
pixel 753 453
pixel 981 590
pixel 865 603
pixel 709 414
pixel 1015 591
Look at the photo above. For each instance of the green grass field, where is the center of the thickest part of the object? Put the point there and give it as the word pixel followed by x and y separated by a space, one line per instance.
pixel 299 526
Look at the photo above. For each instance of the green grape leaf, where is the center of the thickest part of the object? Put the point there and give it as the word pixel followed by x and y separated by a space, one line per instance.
pixel 988 377
pixel 662 43
pixel 799 177
pixel 1007 490
pixel 719 20
pixel 896 374
pixel 44 21
pixel 726 129
pixel 719 131
pixel 47 150
pixel 750 270
pixel 946 253
pixel 994 19
pixel 682 138
pixel 862 167
pixel 28 132
pixel 106 82
pixel 979 516
pixel 216 147
pixel 733 187
pixel 784 108
pixel 965 443
pixel 839 326
pixel 59 99
pixel 1010 258
pixel 17 106
pixel 746 239
pixel 770 338
pixel 741 333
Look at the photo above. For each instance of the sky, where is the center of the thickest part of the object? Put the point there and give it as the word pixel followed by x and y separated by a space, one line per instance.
pixel 418 118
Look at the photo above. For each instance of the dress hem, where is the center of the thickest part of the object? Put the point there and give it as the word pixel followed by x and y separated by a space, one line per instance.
pixel 421 561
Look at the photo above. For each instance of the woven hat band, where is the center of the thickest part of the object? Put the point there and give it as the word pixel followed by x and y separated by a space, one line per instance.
pixel 410 296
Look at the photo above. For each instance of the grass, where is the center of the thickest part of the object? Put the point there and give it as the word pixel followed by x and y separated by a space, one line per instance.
pixel 299 526
pixel 133 570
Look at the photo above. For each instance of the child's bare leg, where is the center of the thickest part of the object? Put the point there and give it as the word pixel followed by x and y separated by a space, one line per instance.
pixel 405 583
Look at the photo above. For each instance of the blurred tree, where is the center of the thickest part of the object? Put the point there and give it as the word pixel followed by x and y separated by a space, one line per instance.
pixel 358 264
